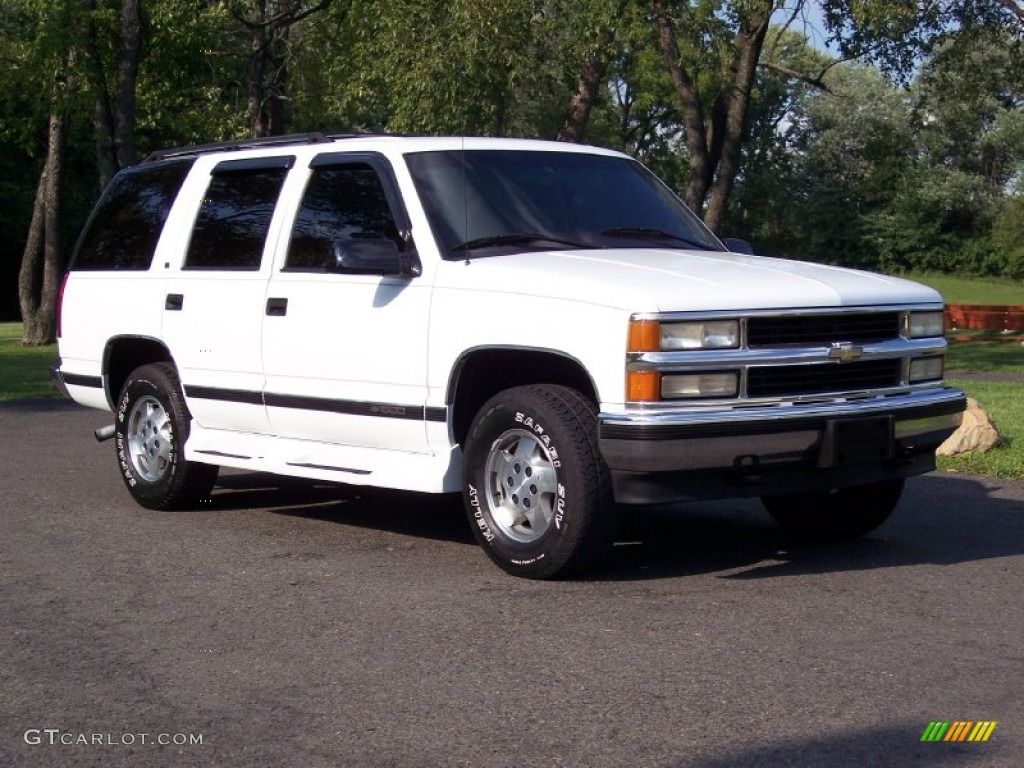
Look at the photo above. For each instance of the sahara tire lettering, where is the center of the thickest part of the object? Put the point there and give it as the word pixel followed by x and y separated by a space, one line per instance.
pixel 560 507
pixel 478 515
pixel 531 561
pixel 542 436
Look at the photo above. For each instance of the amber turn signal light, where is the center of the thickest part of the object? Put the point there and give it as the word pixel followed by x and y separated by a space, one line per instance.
pixel 643 386
pixel 644 336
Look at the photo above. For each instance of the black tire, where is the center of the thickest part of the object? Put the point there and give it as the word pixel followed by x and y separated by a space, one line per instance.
pixel 842 513
pixel 152 424
pixel 537 492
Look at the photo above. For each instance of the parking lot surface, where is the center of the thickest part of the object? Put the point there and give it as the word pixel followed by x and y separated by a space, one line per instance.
pixel 287 623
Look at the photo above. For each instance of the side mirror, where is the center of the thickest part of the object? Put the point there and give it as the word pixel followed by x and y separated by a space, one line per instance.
pixel 736 245
pixel 373 256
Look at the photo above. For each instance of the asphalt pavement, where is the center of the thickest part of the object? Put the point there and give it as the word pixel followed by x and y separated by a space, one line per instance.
pixel 288 623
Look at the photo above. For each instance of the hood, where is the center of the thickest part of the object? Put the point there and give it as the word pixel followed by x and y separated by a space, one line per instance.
pixel 663 280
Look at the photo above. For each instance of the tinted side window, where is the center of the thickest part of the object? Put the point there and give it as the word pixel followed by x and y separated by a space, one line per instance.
pixel 341 202
pixel 126 224
pixel 233 220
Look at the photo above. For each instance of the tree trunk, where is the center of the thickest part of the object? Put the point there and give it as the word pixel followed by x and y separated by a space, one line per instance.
pixel 257 69
pixel 701 167
pixel 103 117
pixel 127 76
pixel 277 93
pixel 728 140
pixel 587 87
pixel 714 151
pixel 41 263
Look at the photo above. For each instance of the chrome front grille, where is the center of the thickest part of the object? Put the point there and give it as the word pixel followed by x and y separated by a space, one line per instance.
pixel 856 327
pixel 801 355
pixel 795 380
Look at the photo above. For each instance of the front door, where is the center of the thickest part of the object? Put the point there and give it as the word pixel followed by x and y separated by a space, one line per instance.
pixel 345 351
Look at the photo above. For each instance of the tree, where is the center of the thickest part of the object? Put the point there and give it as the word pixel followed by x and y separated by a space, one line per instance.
pixel 114 108
pixel 604 23
pixel 269 24
pixel 713 134
pixel 39 39
pixel 466 67
pixel 968 121
pixel 712 50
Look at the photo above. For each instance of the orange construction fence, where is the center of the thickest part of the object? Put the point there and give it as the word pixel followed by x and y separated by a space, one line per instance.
pixel 995 322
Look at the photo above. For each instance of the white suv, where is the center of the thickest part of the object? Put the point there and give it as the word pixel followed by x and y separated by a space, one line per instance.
pixel 543 326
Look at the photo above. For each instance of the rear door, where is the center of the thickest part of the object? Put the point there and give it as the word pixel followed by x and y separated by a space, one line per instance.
pixel 214 303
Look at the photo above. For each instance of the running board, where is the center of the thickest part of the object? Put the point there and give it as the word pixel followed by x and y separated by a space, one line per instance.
pixel 355 465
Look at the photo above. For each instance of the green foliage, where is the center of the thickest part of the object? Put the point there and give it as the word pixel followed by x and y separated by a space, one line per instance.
pixel 865 174
pixel 1008 237
pixel 485 67
pixel 838 158
pixel 191 82
pixel 869 174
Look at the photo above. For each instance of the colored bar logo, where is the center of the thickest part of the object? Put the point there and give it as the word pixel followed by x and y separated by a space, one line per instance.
pixel 958 730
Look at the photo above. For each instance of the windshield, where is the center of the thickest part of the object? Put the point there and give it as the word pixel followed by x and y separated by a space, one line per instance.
pixel 489 202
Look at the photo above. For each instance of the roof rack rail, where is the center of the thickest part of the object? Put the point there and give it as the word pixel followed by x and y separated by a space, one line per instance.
pixel 315 137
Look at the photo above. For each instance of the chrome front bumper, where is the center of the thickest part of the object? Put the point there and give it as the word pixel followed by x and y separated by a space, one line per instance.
pixel 786 447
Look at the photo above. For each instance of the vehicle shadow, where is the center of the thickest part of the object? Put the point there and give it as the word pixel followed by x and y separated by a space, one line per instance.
pixel 895 744
pixel 422 515
pixel 942 519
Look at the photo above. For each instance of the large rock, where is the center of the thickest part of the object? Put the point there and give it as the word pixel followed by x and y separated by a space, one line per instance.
pixel 976 434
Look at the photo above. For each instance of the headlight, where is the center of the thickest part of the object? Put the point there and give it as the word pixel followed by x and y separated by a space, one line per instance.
pixel 716 334
pixel 923 325
pixel 720 384
pixel 655 336
pixel 926 369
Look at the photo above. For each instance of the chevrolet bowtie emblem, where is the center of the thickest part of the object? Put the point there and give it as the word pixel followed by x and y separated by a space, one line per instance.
pixel 844 352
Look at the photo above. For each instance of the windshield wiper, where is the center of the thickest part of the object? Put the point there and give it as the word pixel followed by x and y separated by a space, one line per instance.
pixel 523 238
pixel 646 233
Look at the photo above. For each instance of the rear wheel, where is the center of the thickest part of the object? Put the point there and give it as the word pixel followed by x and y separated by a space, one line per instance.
pixel 152 424
pixel 841 513
pixel 537 492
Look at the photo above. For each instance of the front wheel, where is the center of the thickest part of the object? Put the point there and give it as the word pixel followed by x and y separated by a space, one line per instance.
pixel 842 513
pixel 537 492
pixel 152 423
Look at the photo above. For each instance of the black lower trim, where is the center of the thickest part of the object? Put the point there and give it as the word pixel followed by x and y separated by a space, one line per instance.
pixel 330 469
pixel 227 395
pixel 78 380
pixel 323 404
pixel 223 454
pixel 673 487
pixel 435 413
pixel 356 408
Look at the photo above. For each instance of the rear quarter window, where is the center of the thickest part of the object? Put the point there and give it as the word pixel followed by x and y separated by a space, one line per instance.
pixel 125 225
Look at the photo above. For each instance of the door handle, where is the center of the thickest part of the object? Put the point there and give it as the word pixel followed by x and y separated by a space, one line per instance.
pixel 174 301
pixel 277 307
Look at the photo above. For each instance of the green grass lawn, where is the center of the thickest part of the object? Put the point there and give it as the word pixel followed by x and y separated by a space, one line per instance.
pixel 988 356
pixel 972 290
pixel 24 371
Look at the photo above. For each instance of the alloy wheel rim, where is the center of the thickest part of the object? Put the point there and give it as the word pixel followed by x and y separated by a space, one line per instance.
pixel 521 486
pixel 149 439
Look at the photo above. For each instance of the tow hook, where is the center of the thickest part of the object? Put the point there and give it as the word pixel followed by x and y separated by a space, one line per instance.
pixel 105 433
